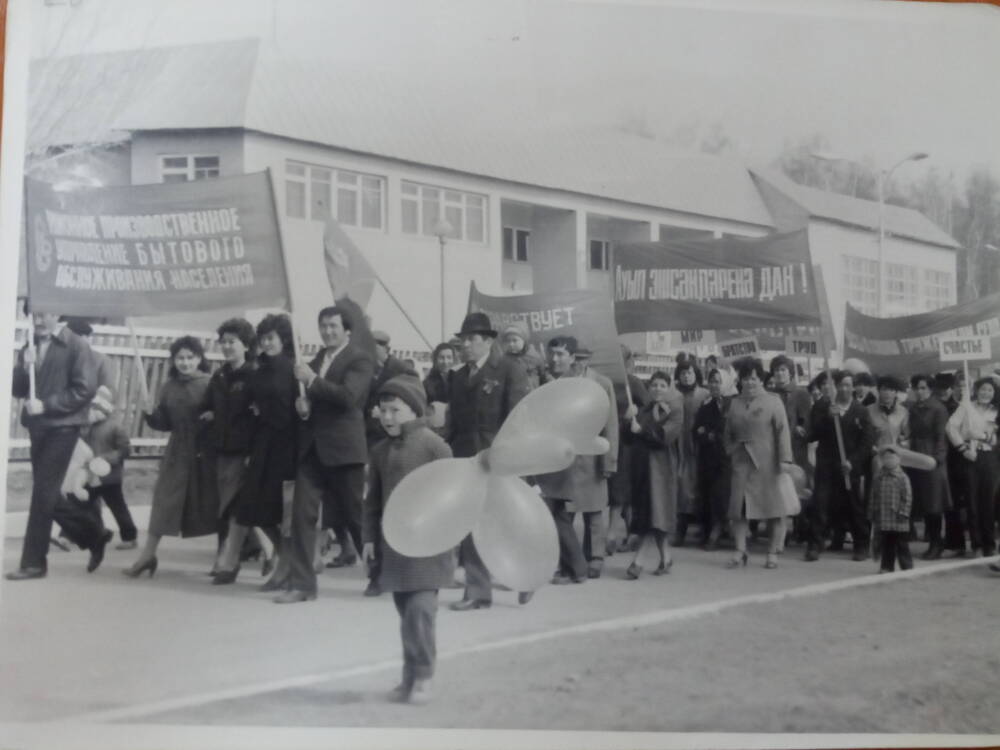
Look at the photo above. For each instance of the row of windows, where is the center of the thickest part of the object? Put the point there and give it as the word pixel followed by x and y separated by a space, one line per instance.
pixel 907 287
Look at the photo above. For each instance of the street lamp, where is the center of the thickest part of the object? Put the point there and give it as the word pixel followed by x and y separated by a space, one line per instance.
pixel 883 176
pixel 442 229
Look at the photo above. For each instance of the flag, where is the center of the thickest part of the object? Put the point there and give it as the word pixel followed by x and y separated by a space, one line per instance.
pixel 349 273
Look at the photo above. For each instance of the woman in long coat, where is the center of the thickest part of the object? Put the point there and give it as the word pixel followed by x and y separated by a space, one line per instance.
pixel 689 508
pixel 655 433
pixel 758 443
pixel 185 498
pixel 713 463
pixel 260 498
pixel 931 496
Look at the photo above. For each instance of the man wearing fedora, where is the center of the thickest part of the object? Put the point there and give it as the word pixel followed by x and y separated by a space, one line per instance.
pixel 483 393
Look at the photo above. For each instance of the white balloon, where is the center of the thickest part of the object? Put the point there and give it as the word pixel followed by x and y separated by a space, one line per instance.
pixel 516 536
pixel 435 507
pixel 537 453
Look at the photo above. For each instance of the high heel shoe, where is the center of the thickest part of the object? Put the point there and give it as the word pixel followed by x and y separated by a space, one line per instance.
pixel 224 577
pixel 663 568
pixel 740 559
pixel 137 570
pixel 633 572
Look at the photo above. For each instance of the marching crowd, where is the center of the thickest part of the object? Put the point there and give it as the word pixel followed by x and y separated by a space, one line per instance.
pixel 276 456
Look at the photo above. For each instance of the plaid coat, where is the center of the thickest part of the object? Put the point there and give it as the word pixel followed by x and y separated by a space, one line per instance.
pixel 892 501
pixel 391 460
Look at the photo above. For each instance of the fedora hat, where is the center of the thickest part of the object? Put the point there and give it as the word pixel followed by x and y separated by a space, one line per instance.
pixel 477 322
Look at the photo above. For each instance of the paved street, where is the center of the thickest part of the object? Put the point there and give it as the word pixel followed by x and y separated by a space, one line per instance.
pixel 104 647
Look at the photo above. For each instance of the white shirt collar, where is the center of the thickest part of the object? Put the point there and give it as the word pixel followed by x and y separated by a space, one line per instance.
pixel 481 362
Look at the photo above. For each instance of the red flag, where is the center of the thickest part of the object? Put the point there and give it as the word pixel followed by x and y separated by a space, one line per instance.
pixel 349 273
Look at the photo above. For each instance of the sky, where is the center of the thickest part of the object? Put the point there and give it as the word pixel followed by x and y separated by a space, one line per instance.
pixel 878 79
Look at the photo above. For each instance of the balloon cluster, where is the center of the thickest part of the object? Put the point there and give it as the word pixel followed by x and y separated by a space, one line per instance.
pixel 436 506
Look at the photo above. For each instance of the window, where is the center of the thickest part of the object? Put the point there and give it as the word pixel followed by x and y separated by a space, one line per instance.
pixel 600 255
pixel 939 289
pixel 902 286
pixel 515 244
pixel 861 283
pixel 424 205
pixel 316 192
pixel 186 168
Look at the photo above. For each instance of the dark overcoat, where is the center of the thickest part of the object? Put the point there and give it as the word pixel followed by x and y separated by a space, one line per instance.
pixel 185 497
pixel 481 402
pixel 928 422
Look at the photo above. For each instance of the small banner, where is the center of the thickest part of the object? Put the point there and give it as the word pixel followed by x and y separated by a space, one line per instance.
pixel 140 250
pixel 583 313
pixel 966 349
pixel 733 282
pixel 912 343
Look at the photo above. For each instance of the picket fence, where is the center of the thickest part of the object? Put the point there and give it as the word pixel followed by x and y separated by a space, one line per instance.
pixel 154 350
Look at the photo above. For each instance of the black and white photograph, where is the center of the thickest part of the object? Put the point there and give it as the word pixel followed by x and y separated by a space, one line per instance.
pixel 500 373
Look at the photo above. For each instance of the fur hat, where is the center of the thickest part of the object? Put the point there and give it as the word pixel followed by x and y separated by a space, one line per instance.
pixel 518 328
pixel 102 401
pixel 408 388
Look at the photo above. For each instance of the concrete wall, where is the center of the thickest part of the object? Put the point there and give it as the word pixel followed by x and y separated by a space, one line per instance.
pixel 829 242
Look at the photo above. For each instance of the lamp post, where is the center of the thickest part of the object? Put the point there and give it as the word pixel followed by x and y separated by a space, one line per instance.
pixel 442 229
pixel 882 176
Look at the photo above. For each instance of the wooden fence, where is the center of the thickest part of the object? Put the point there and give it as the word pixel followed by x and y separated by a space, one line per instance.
pixel 154 348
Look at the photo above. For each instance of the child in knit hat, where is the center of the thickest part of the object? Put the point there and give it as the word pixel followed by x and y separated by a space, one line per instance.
pixel 413 581
pixel 891 505
pixel 109 441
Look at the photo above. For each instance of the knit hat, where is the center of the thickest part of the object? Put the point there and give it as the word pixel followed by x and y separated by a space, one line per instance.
pixel 102 400
pixel 518 328
pixel 380 337
pixel 409 389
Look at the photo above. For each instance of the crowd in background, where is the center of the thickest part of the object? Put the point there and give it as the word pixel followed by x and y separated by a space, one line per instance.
pixel 279 457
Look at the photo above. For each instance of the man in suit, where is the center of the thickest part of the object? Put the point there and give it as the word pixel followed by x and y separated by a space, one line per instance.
pixel 582 486
pixel 483 393
pixel 66 381
pixel 332 448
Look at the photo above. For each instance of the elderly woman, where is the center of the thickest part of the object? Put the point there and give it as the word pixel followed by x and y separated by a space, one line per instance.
pixel 758 443
pixel 972 429
pixel 687 378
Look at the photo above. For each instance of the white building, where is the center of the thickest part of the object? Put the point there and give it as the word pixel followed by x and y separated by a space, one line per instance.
pixel 531 208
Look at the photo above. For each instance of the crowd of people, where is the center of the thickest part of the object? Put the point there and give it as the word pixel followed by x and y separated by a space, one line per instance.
pixel 277 457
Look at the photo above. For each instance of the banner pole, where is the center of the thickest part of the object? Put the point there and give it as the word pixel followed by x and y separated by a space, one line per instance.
pixel 140 370
pixel 34 351
pixel 406 315
pixel 967 389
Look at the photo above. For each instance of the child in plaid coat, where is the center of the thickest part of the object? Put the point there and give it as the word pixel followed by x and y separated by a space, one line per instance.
pixel 892 502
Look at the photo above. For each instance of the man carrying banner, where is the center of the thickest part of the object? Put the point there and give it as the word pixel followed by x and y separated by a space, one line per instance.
pixel 332 448
pixel 483 392
pixel 54 414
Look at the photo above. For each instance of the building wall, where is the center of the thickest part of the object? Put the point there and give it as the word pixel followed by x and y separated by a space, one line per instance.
pixel 149 146
pixel 830 242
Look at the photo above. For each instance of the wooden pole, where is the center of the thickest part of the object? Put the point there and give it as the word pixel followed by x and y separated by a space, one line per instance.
pixel 34 350
pixel 140 369
pixel 406 315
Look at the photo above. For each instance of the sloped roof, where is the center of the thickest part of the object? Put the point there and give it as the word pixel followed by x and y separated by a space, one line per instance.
pixel 858 212
pixel 246 84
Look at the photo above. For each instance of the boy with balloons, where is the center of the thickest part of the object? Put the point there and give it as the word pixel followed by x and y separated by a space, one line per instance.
pixel 413 581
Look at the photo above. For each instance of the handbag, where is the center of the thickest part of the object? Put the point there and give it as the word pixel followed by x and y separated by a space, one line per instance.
pixel 789 497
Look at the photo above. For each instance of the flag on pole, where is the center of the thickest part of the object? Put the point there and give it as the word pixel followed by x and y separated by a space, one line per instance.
pixel 350 274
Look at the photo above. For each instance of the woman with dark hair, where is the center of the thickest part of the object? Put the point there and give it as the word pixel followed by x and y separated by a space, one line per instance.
pixel 758 443
pixel 185 499
pixel 687 378
pixel 437 385
pixel 931 496
pixel 972 429
pixel 227 406
pixel 654 432
pixel 713 463
pixel 259 501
